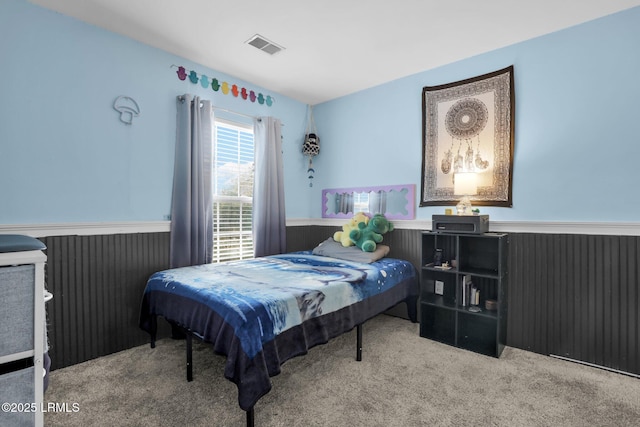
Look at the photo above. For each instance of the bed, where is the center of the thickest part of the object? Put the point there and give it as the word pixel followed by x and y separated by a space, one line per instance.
pixel 262 312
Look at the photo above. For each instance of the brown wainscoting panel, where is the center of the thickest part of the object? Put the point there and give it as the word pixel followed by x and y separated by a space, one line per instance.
pixel 404 244
pixel 576 296
pixel 307 237
pixel 97 283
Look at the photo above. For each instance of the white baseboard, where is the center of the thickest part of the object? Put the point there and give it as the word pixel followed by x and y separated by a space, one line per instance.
pixel 101 228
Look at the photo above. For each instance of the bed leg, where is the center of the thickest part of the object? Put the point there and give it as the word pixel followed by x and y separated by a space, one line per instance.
pixel 154 330
pixel 412 309
pixel 189 357
pixel 359 343
pixel 250 417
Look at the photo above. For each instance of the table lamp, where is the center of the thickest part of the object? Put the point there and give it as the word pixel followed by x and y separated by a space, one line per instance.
pixel 465 184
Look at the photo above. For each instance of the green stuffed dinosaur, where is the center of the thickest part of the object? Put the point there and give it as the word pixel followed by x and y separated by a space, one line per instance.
pixel 368 235
pixel 343 236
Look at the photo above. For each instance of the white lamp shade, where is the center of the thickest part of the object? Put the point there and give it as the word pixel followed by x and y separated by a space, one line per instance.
pixel 465 184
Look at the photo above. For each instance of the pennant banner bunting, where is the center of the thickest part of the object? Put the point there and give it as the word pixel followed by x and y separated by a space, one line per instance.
pixel 225 87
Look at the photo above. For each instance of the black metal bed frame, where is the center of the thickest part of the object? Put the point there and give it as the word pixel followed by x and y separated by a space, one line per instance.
pixel 250 412
pixel 411 309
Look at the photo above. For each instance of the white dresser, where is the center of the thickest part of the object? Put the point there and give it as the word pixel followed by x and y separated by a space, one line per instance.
pixel 22 330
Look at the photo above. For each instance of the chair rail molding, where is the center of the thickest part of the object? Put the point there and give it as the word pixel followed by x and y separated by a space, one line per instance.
pixel 86 228
pixel 105 228
pixel 545 227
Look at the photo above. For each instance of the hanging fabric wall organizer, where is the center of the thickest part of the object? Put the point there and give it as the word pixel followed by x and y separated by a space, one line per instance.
pixel 224 87
pixel 311 144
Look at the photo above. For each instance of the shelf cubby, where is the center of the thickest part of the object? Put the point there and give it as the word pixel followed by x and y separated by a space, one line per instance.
pixel 447 315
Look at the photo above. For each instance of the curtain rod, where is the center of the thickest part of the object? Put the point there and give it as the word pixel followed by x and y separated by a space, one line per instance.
pixel 234 112
pixel 237 113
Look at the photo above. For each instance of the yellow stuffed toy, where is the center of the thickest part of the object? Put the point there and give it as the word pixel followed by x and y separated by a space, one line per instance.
pixel 343 236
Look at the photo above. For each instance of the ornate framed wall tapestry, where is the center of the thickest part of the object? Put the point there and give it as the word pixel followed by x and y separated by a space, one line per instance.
pixel 468 126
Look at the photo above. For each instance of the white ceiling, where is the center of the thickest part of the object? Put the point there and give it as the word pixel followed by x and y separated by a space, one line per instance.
pixel 332 47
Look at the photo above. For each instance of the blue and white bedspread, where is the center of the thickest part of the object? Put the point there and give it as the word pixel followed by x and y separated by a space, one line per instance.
pixel 262 297
pixel 264 311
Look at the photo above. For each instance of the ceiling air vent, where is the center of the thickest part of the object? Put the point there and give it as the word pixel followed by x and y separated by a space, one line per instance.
pixel 264 45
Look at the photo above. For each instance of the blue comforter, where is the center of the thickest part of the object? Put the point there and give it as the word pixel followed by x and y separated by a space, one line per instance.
pixel 262 297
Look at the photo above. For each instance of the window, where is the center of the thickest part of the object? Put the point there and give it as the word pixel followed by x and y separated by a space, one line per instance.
pixel 232 191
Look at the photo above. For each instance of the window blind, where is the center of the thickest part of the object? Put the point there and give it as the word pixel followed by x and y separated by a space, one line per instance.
pixel 232 191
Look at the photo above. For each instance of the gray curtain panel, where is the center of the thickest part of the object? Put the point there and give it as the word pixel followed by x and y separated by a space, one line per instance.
pixel 191 240
pixel 269 234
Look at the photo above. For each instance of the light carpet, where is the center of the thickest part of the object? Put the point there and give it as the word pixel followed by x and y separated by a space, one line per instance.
pixel 403 380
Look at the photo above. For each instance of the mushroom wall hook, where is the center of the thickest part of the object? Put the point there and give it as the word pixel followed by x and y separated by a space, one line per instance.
pixel 127 107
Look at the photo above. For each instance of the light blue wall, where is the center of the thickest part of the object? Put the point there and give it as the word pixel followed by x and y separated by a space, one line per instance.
pixel 577 138
pixel 64 154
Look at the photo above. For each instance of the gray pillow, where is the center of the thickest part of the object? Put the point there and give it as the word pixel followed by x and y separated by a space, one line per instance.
pixel 334 249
